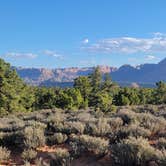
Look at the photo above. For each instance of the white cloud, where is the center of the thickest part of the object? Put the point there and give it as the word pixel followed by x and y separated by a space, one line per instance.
pixel 150 57
pixel 130 45
pixel 52 53
pixel 20 55
pixel 85 41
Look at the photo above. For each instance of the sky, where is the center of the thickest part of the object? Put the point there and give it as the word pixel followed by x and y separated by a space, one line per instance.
pixel 82 33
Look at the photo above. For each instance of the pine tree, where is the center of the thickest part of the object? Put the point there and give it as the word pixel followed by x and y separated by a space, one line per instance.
pixel 14 94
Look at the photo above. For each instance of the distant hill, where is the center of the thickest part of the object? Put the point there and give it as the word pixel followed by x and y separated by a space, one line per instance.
pixel 145 74
pixel 56 77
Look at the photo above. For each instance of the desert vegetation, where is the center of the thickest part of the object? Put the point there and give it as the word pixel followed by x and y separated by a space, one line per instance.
pixel 59 137
pixel 94 123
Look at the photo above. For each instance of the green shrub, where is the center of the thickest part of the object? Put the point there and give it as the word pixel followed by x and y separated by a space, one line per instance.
pixel 112 109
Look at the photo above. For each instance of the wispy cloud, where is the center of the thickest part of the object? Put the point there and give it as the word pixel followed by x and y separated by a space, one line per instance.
pixel 33 55
pixel 53 54
pixel 130 45
pixel 20 55
pixel 150 57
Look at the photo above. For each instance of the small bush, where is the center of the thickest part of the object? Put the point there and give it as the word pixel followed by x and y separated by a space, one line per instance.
pixel 96 145
pixel 4 154
pixel 27 163
pixel 100 128
pixel 85 117
pixel 60 138
pixel 127 116
pixel 162 133
pixel 40 162
pixel 61 157
pixel 161 143
pixel 162 158
pixel 57 118
pixel 76 147
pixel 29 154
pixel 75 127
pixel 115 123
pixel 154 124
pixel 133 130
pixel 9 139
pixel 57 127
pixel 33 137
pixel 57 138
pixel 10 124
pixel 112 109
pixel 133 151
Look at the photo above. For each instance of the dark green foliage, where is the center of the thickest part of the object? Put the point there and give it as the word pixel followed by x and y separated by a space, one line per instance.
pixel 14 94
pixel 82 83
pixel 160 93
pixel 95 80
pixel 45 98
pixel 128 96
pixel 95 90
pixel 102 101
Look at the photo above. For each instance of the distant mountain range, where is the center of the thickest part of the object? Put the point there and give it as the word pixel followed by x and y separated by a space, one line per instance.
pixel 146 74
pixel 56 77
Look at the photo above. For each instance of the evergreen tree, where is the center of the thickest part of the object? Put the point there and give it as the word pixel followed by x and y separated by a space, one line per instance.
pixel 82 83
pixel 14 94
pixel 45 98
pixel 160 93
pixel 96 79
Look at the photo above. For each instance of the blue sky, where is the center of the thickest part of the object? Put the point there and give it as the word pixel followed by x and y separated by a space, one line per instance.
pixel 63 33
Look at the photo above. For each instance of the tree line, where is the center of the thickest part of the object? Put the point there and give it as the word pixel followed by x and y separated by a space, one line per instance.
pixel 95 90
